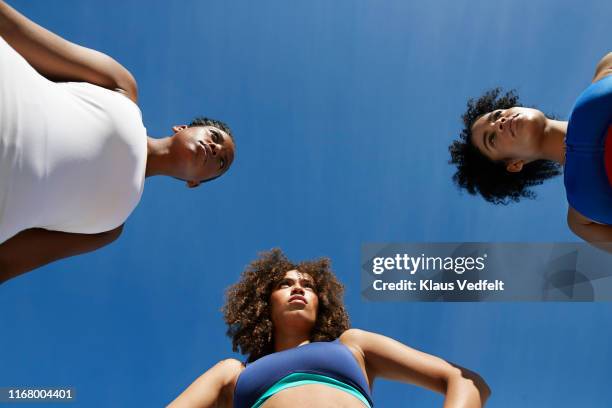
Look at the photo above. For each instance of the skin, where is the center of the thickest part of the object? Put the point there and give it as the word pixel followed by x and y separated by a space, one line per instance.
pixel 193 154
pixel 293 307
pixel 518 136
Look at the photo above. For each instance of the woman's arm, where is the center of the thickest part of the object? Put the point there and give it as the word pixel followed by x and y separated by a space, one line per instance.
pixel 604 67
pixel 214 388
pixel 387 358
pixel 36 247
pixel 61 60
pixel 596 234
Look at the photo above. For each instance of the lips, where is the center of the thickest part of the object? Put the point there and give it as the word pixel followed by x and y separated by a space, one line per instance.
pixel 298 298
pixel 512 125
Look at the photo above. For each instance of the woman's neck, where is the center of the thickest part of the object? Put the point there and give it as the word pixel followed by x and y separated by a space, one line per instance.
pixel 285 341
pixel 552 145
pixel 158 156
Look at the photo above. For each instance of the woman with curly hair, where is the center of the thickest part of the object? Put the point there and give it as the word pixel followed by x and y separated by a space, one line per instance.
pixel 74 153
pixel 505 149
pixel 290 322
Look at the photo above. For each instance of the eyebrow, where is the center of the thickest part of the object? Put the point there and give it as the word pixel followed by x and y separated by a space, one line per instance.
pixel 301 280
pixel 289 281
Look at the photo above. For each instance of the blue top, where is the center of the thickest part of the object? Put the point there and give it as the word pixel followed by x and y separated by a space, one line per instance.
pixel 331 359
pixel 586 183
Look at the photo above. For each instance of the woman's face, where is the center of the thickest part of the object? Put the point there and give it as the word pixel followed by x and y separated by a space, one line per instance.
pixel 509 135
pixel 294 302
pixel 201 152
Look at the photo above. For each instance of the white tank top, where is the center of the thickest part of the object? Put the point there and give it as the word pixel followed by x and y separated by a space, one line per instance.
pixel 72 155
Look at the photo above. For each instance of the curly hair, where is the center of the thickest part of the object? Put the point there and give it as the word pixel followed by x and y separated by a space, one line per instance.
pixel 478 174
pixel 247 310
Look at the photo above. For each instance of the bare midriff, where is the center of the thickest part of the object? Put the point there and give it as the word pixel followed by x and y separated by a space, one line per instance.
pixel 312 395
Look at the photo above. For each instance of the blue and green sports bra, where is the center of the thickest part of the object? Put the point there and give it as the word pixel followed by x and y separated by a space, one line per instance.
pixel 329 363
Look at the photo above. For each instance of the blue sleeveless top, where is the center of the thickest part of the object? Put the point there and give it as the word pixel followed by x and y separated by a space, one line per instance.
pixel 329 359
pixel 586 182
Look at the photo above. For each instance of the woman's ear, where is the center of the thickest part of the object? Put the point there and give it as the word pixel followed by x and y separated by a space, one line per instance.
pixel 178 128
pixel 514 166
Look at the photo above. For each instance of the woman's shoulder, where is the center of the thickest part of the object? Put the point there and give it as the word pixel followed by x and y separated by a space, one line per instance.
pixel 604 67
pixel 353 334
pixel 228 371
pixel 364 341
pixel 230 366
pixel 356 339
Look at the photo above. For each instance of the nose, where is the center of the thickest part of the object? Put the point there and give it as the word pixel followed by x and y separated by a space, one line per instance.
pixel 502 121
pixel 297 290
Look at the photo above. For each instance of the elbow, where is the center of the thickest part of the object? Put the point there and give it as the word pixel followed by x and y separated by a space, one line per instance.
pixel 128 85
pixel 119 78
pixel 112 235
pixel 471 382
pixel 483 388
pixel 131 88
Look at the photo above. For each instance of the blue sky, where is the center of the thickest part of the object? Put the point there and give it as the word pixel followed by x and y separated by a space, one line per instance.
pixel 342 113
